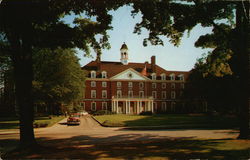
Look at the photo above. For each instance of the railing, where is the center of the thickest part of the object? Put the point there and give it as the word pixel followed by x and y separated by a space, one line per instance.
pixel 132 97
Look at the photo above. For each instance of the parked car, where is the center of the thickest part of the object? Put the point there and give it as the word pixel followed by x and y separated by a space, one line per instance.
pixel 73 119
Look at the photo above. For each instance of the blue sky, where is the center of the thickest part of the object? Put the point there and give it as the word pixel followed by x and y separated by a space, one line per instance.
pixel 168 56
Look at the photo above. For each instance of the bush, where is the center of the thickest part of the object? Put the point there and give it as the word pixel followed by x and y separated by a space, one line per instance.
pixel 102 112
pixel 146 113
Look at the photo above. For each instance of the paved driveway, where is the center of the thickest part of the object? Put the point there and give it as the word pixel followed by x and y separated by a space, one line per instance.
pixel 92 140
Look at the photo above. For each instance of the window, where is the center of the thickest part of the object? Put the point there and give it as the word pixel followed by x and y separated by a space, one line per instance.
pixel 153 85
pixel 163 85
pixel 119 93
pixel 182 85
pixel 93 93
pixel 104 94
pixel 93 84
pixel 172 77
pixel 173 106
pixel 93 106
pixel 118 84
pixel 141 84
pixel 93 74
pixel 154 94
pixel 141 94
pixel 173 94
pixel 163 106
pixel 82 104
pixel 163 76
pixel 153 76
pixel 104 74
pixel 130 94
pixel 104 106
pixel 163 95
pixel 181 76
pixel 104 84
pixel 130 84
pixel 173 85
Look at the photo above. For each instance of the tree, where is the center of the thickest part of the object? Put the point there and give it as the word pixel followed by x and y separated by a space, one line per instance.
pixel 172 18
pixel 58 77
pixel 35 24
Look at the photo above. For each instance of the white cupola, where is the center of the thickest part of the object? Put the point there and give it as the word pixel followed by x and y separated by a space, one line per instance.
pixel 124 54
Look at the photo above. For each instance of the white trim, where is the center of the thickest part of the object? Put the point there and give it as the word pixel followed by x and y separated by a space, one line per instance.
pixel 131 70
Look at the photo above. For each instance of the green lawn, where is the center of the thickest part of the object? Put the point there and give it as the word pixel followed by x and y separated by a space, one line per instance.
pixel 13 123
pixel 169 121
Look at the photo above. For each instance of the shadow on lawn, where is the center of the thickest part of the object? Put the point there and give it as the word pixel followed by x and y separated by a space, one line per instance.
pixel 184 121
pixel 135 146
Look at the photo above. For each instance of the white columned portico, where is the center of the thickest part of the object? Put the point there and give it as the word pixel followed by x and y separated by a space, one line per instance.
pixel 116 106
pixel 126 107
pixel 152 106
pixel 137 107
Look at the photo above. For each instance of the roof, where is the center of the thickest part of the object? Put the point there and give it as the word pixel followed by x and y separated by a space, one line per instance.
pixel 114 68
pixel 124 46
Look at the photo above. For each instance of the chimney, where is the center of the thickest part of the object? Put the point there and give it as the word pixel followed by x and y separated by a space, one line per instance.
pixel 153 64
pixel 98 59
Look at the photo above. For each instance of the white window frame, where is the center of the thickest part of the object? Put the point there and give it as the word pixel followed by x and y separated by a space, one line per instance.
pixel 130 84
pixel 163 106
pixel 82 104
pixel 104 74
pixel 153 76
pixel 154 94
pixel 141 94
pixel 173 94
pixel 163 85
pixel 119 84
pixel 141 85
pixel 104 93
pixel 104 84
pixel 154 85
pixel 163 94
pixel 93 93
pixel 163 76
pixel 172 85
pixel 104 106
pixel 93 84
pixel 119 93
pixel 93 106
pixel 130 94
pixel 172 77
pixel 182 86
pixel 93 74
pixel 181 77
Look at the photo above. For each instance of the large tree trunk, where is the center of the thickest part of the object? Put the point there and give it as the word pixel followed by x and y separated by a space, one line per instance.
pixel 243 30
pixel 23 76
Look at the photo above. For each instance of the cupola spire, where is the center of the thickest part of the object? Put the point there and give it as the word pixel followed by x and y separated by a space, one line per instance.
pixel 124 54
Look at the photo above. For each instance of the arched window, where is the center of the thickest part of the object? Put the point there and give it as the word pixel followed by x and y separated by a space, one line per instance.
pixel 153 76
pixel 172 77
pixel 93 74
pixel 163 76
pixel 181 76
pixel 104 74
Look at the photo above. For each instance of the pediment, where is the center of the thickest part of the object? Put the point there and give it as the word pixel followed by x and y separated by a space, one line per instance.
pixel 129 74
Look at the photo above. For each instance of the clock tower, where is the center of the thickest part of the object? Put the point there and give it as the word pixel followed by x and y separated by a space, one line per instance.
pixel 124 54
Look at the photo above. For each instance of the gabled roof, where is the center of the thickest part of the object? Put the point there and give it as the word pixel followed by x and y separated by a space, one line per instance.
pixel 114 68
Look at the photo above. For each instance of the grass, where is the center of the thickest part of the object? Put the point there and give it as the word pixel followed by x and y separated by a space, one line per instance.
pixel 13 122
pixel 169 121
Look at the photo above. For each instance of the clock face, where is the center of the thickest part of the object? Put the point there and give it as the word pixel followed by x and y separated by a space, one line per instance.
pixel 130 75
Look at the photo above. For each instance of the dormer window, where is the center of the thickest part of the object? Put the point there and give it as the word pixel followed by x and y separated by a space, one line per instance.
pixel 93 74
pixel 181 76
pixel 104 74
pixel 153 76
pixel 163 76
pixel 172 77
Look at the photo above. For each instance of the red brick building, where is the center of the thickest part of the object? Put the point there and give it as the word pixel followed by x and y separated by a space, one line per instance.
pixel 131 88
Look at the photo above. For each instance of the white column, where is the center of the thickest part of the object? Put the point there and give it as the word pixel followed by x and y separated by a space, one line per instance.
pixel 152 106
pixel 116 106
pixel 140 106
pixel 126 107
pixel 137 107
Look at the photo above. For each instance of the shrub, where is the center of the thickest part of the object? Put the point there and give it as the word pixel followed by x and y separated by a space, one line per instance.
pixel 146 113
